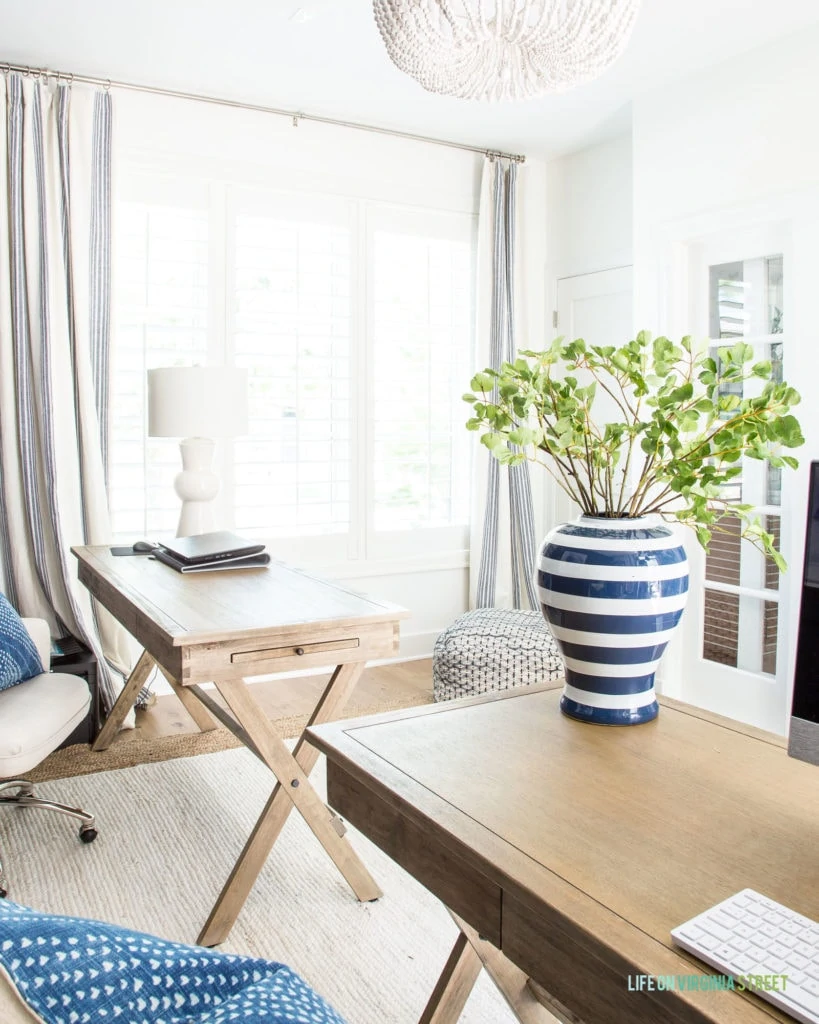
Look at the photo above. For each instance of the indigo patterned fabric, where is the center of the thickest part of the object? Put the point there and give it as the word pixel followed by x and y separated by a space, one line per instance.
pixel 19 659
pixel 72 971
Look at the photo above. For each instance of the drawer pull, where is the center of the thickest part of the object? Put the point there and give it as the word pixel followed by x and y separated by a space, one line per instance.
pixel 299 650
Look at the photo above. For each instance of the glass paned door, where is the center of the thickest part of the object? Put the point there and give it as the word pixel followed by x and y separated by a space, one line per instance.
pixel 741 603
pixel 731 656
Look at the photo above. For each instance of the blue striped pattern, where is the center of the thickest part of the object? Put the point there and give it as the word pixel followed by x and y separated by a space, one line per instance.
pixel 609 678
pixel 56 190
pixel 561 553
pixel 634 590
pixel 613 655
pixel 608 716
pixel 608 532
pixel 502 349
pixel 590 623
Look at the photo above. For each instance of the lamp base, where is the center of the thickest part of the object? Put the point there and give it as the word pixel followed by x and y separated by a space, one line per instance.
pixel 197 485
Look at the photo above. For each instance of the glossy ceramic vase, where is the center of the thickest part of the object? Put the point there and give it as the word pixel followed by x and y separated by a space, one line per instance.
pixel 612 592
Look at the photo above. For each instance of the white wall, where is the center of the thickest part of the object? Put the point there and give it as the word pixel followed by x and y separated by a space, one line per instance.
pixel 589 209
pixel 728 151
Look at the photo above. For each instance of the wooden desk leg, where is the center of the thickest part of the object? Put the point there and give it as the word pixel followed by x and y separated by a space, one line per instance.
pixel 199 714
pixel 448 999
pixel 288 768
pixel 468 955
pixel 134 683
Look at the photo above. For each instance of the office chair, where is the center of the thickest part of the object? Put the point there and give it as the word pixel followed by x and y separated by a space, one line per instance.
pixel 35 717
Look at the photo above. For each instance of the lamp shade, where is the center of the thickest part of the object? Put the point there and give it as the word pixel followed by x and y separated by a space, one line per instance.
pixel 197 401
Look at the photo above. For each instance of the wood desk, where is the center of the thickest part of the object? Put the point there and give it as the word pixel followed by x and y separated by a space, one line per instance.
pixel 222 627
pixel 574 849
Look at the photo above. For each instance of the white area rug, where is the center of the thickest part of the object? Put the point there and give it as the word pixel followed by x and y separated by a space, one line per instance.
pixel 169 834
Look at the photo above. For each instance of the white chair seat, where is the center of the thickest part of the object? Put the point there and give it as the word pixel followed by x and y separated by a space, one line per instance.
pixel 36 716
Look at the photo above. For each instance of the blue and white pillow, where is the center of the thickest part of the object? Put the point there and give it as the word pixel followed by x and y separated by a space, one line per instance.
pixel 19 658
pixel 71 970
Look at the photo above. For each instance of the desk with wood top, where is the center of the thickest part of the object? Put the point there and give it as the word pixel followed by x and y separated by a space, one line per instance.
pixel 224 626
pixel 572 850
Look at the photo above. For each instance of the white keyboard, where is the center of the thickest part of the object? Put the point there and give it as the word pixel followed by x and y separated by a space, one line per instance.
pixel 750 936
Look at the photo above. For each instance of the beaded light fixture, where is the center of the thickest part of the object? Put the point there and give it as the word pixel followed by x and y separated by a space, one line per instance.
pixel 504 49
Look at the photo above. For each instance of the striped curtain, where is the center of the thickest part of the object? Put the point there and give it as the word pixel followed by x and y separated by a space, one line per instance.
pixel 55 277
pixel 502 556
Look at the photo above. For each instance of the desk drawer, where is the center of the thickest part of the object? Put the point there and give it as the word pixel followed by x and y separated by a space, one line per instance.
pixel 289 649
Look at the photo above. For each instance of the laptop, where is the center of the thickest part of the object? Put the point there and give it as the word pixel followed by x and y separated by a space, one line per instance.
pixel 211 547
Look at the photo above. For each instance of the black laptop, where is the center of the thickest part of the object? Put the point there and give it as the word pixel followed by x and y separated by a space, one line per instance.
pixel 211 547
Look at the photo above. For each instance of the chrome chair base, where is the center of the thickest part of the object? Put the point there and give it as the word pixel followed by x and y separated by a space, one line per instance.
pixel 26 797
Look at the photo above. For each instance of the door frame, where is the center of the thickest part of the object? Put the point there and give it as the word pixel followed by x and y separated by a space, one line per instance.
pixel 794 218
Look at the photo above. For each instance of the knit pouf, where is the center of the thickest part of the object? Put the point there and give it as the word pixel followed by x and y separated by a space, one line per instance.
pixel 492 649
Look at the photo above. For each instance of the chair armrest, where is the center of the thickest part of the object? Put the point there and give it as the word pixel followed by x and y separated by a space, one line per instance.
pixel 41 635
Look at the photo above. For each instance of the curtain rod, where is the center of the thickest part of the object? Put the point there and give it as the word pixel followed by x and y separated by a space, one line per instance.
pixel 296 116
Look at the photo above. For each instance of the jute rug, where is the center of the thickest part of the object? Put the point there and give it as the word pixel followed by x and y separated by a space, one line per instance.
pixel 169 834
pixel 132 747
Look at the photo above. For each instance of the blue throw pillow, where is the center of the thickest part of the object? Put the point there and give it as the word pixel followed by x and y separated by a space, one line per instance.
pixel 72 969
pixel 19 659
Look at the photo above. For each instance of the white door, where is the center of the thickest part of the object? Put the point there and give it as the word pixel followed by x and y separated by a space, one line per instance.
pixel 730 656
pixel 599 308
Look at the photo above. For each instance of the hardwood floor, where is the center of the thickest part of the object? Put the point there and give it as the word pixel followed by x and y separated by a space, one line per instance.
pixel 383 684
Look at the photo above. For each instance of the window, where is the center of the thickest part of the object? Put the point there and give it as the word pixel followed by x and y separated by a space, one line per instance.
pixel 741 612
pixel 354 320
pixel 161 319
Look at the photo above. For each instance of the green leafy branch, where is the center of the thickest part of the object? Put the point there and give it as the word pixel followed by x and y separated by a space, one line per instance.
pixel 682 412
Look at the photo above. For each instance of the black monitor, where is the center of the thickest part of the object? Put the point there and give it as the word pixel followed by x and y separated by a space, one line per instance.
pixel 803 741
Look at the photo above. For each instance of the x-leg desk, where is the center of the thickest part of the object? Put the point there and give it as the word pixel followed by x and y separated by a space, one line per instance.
pixel 223 627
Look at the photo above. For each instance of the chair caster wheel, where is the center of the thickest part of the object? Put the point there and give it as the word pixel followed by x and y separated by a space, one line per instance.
pixel 88 835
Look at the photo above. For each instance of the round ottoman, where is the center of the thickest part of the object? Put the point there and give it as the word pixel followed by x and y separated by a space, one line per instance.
pixel 492 649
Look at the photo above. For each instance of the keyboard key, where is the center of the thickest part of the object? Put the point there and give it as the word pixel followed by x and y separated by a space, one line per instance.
pixel 778 950
pixel 773 918
pixel 797 961
pixel 744 931
pixel 723 920
pixel 788 940
pixel 740 945
pixel 805 949
pixel 691 931
pixel 792 928
pixel 796 977
pixel 708 942
pixel 744 964
pixel 813 971
pixel 769 930
pixel 806 1000
pixel 812 987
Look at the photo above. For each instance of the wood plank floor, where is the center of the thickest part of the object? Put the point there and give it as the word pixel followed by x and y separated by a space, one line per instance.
pixel 383 684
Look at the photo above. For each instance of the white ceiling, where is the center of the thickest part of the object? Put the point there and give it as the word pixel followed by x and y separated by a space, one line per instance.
pixel 326 57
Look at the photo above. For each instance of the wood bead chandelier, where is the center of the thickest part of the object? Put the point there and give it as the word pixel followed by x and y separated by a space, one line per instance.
pixel 504 49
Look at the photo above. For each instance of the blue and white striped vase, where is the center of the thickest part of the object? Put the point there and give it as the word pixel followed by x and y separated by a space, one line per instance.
pixel 613 592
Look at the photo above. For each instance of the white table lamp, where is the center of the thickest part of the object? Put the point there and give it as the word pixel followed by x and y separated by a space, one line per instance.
pixel 197 404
